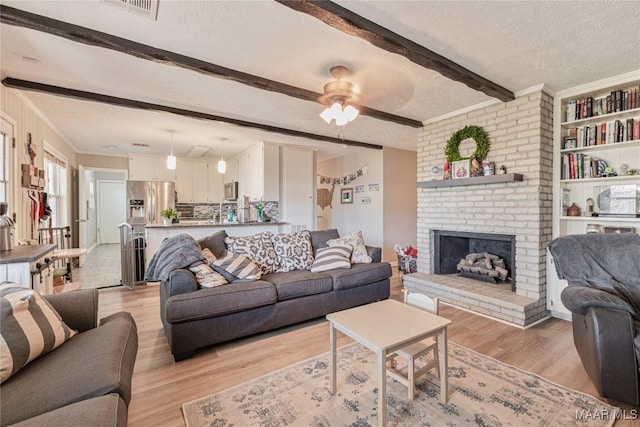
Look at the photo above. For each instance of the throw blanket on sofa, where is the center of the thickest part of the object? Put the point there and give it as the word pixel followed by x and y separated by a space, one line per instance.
pixel 179 251
pixel 609 262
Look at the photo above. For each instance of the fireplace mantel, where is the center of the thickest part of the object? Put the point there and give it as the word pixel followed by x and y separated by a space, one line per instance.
pixel 475 180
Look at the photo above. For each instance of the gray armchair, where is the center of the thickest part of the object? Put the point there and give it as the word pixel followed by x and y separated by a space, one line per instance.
pixel 603 272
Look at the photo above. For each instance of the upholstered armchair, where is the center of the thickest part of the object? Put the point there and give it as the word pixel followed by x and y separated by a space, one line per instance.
pixel 603 272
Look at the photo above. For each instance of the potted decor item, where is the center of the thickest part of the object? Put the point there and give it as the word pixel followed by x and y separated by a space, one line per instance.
pixel 168 215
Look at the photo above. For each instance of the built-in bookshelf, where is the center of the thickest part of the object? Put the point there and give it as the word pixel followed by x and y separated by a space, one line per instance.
pixel 596 164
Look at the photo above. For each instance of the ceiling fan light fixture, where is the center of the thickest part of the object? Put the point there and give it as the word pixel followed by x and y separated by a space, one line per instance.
pixel 338 97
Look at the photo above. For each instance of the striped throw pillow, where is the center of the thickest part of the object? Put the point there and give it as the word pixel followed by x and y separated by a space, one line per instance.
pixel 238 265
pixel 338 256
pixel 30 327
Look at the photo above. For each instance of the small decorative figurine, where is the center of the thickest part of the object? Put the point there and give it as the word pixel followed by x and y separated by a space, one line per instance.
pixel 447 172
pixel 503 170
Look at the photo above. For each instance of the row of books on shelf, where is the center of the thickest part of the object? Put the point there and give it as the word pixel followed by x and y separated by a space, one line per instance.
pixel 618 100
pixel 580 166
pixel 604 133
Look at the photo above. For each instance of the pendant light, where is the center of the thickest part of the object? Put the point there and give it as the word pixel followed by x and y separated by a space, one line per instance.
pixel 222 165
pixel 171 159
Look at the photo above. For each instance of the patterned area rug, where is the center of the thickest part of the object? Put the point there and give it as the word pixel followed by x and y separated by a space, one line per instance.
pixel 482 392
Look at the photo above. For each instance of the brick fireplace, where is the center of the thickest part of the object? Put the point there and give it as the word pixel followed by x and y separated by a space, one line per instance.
pixel 521 138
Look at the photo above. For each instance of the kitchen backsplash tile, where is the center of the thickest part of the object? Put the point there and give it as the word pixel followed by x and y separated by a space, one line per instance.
pixel 203 211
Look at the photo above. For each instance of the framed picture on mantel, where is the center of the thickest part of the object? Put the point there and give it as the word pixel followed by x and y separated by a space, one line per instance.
pixel 346 195
pixel 461 169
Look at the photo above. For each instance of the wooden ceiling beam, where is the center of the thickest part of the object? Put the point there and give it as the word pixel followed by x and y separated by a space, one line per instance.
pixel 76 33
pixel 353 24
pixel 141 105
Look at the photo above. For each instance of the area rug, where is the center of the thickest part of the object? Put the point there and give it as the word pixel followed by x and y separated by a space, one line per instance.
pixel 482 392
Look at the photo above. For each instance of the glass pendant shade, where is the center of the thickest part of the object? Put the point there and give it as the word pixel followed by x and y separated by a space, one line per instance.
pixel 171 161
pixel 222 166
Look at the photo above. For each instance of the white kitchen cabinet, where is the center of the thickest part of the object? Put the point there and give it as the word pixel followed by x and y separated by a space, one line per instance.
pixel 215 183
pixel 150 168
pixel 259 172
pixel 191 181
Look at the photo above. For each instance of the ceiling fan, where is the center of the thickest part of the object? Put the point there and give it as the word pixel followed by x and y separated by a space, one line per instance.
pixel 339 95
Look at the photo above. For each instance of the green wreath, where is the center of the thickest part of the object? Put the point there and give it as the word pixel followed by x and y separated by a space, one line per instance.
pixel 478 134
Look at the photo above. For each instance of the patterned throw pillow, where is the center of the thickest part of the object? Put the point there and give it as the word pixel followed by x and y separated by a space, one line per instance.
pixel 239 266
pixel 205 276
pixel 359 254
pixel 294 250
pixel 258 247
pixel 30 327
pixel 338 256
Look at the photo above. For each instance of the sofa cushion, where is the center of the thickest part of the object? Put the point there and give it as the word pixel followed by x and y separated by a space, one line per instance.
pixel 103 411
pixel 332 257
pixel 359 254
pixel 319 238
pixel 299 283
pixel 293 250
pixel 94 363
pixel 215 243
pixel 30 328
pixel 219 301
pixel 237 265
pixel 206 277
pixel 359 274
pixel 258 248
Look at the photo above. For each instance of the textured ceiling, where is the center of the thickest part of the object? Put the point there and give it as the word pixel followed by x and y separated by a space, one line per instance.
pixel 517 45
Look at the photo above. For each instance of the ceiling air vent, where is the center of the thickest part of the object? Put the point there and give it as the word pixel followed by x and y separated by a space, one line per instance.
pixel 148 8
pixel 140 144
pixel 197 151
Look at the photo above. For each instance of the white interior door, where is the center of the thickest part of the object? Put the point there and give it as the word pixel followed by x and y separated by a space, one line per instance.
pixel 83 209
pixel 111 210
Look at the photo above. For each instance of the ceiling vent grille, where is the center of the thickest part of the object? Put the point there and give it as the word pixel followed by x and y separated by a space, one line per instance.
pixel 140 144
pixel 148 8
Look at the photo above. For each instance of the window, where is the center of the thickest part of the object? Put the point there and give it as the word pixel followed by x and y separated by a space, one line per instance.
pixel 56 187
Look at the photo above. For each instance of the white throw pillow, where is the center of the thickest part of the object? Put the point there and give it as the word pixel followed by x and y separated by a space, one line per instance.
pixel 359 254
pixel 332 257
pixel 205 276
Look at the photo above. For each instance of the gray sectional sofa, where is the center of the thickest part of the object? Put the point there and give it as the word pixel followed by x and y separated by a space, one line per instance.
pixel 84 382
pixel 196 317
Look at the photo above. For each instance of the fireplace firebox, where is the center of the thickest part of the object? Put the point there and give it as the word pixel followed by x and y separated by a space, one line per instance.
pixel 452 246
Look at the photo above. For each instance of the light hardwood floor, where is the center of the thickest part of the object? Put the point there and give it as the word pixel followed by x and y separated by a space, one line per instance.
pixel 160 386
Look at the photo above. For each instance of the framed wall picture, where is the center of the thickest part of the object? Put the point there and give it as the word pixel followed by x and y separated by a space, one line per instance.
pixel 461 169
pixel 346 195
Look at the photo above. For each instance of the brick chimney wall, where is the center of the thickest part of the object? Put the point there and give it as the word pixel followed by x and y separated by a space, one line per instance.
pixel 521 138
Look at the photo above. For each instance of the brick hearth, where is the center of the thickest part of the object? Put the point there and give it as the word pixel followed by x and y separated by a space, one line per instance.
pixel 521 138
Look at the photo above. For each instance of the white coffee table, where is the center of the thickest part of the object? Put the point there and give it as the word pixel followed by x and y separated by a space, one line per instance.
pixel 384 327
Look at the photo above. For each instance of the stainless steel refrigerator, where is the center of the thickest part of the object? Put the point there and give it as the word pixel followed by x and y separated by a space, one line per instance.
pixel 146 199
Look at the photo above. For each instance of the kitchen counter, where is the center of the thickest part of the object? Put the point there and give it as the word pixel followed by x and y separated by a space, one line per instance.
pixel 156 233
pixel 205 223
pixel 25 253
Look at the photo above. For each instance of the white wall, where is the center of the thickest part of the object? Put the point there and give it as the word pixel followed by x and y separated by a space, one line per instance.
pixel 348 218
pixel 400 211
pixel 28 120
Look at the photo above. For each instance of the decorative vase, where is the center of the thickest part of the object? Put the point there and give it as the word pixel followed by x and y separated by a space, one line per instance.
pixel 573 210
pixel 260 217
pixel 167 221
